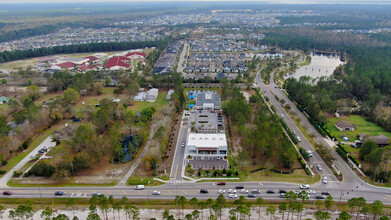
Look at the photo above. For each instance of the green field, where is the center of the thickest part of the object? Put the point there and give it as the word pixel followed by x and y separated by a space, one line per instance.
pixel 160 101
pixel 362 127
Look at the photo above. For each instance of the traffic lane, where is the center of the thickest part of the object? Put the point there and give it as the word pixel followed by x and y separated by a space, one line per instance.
pixel 348 174
pixel 177 165
pixel 316 159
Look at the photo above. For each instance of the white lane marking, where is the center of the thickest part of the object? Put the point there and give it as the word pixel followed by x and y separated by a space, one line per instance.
pixel 72 194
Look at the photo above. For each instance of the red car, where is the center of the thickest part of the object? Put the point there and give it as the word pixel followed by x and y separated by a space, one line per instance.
pixel 7 193
pixel 221 183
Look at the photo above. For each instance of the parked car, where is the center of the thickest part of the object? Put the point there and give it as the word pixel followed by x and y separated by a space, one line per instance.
pixel 311 192
pixel 41 151
pixel 320 197
pixel 203 191
pixel 239 187
pixel 221 184
pixel 156 193
pixel 270 191
pixel 324 180
pixel 59 193
pixel 304 186
pixel 233 196
pixel 250 195
pixel 7 193
pixel 325 193
pixel 256 191
pixel 183 144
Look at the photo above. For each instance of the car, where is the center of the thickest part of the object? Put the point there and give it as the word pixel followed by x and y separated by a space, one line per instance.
pixel 156 193
pixel 221 184
pixel 294 132
pixel 298 138
pixel 320 197
pixel 282 195
pixel 59 193
pixel 282 116
pixel 297 192
pixel 231 191
pixel 218 157
pixel 244 191
pixel 41 151
pixel 221 191
pixel 319 167
pixel 233 196
pixel 309 153
pixel 45 149
pixel 282 191
pixel 7 193
pixel 256 191
pixel 325 193
pixel 203 191
pixel 324 180
pixel 251 195
pixel 270 191
pixel 311 192
pixel 183 144
pixel 96 194
pixel 239 187
pixel 304 186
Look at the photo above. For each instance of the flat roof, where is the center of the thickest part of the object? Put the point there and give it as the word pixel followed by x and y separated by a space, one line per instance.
pixel 207 140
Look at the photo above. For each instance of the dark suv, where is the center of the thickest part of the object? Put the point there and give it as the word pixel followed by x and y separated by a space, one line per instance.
pixel 239 187
pixel 203 191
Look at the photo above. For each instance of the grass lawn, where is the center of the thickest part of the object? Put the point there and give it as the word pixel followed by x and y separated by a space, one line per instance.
pixel 64 183
pixel 160 101
pixel 299 176
pixel 362 127
pixel 142 180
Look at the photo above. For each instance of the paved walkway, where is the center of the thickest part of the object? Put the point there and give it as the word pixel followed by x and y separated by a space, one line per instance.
pixel 8 176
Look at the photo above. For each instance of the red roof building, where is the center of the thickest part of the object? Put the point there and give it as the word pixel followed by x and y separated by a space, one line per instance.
pixel 138 54
pixel 117 62
pixel 91 58
pixel 66 65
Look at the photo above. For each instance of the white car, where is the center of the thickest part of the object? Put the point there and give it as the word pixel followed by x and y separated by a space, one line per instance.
pixel 325 180
pixel 304 186
pixel 244 191
pixel 233 196
pixel 221 191
pixel 156 193
pixel 232 191
pixel 311 192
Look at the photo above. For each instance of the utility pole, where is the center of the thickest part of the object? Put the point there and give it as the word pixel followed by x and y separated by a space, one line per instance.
pixel 340 198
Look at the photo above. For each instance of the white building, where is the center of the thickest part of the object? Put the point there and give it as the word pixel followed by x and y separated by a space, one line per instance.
pixel 170 92
pixel 140 96
pixel 151 95
pixel 207 144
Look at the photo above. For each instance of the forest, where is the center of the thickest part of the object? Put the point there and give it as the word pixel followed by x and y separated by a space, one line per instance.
pixel 262 138
pixel 366 77
pixel 7 56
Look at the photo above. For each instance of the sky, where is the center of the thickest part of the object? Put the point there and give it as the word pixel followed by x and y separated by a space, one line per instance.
pixel 269 1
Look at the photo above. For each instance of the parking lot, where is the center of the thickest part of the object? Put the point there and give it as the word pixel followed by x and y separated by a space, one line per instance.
pixel 209 162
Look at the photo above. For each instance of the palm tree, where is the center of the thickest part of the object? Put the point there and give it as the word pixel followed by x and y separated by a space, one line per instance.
pixel 71 203
pixel 111 201
pixel 47 213
pixel 117 207
pixel 193 202
pixel 365 210
pixel 361 202
pixel 271 210
pixel 290 197
pixel 282 209
pixel 260 202
pixel 125 203
pixel 195 214
pixel 182 203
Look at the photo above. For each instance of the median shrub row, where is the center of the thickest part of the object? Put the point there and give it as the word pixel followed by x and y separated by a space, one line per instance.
pixel 354 159
pixel 290 133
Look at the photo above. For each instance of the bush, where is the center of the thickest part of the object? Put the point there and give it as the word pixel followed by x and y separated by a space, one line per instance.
pixel 342 153
pixel 2 171
pixel 354 160
pixel 4 162
pixel 41 169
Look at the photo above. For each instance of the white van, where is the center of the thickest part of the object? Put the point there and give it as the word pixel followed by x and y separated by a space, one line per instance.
pixel 139 187
pixel 298 138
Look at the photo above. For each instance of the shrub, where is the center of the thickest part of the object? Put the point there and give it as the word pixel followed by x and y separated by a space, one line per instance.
pixel 354 160
pixel 41 169
pixel 2 171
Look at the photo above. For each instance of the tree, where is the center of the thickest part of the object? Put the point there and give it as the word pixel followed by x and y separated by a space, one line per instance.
pixel 2 210
pixel 365 210
pixel 384 218
pixel 61 217
pixel 377 208
pixel 290 197
pixel 47 213
pixel 135 212
pixel 221 201
pixel 188 217
pixel 216 208
pixel 195 214
pixel 182 202
pixel 33 92
pixel 328 203
pixel 318 203
pixel 166 214
pixel 319 215
pixel 117 207
pixel 271 210
pixel 344 215
pixel 70 96
pixel 353 203
pixel 71 203
pixel 282 209
pixel 93 216
pixel 3 81
pixel 260 201
pixel 361 202
pixel 104 205
pixel 193 201
pixel 107 81
pixel 111 201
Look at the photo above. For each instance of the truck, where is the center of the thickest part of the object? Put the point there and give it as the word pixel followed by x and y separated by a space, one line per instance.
pixel 139 187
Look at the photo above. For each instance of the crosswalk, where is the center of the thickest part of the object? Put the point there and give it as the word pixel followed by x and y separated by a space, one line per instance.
pixel 177 181
pixel 78 195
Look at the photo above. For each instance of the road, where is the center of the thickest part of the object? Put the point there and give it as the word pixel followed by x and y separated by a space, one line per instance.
pixel 182 58
pixel 190 190
pixel 177 168
pixel 8 176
